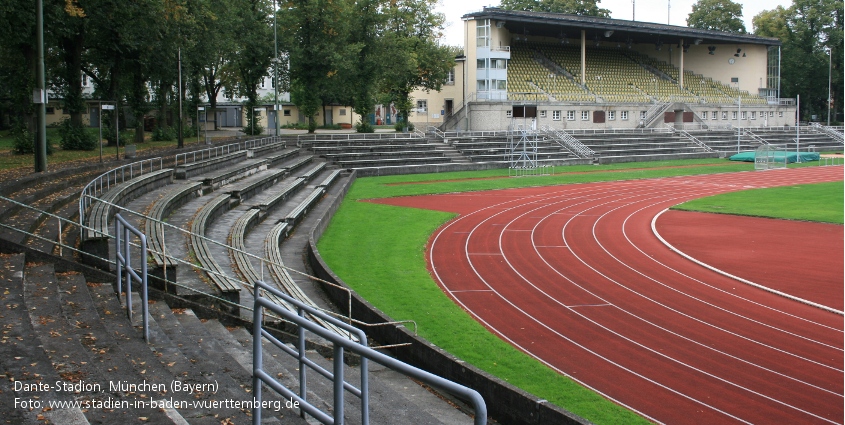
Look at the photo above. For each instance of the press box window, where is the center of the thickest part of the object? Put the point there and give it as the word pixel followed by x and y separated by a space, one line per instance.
pixel 556 115
pixel 585 115
pixel 623 115
pixel 570 115
pixel 611 115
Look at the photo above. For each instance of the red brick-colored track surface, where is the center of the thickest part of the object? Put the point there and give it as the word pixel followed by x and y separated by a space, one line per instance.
pixel 574 276
pixel 793 257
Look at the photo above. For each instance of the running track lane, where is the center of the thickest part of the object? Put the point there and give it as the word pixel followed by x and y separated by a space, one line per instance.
pixel 574 276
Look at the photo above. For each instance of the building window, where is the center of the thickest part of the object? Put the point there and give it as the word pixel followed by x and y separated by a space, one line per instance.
pixel 262 83
pixel 703 115
pixel 287 112
pixel 482 33
pixel 556 115
pixel 611 115
pixel 482 85
pixel 570 115
pixel 753 115
pixel 499 84
pixel 342 112
pixel 585 115
pixel 771 113
pixel 450 77
pixel 623 115
pixel 780 114
pixel 422 106
pixel 542 114
pixel 509 113
pixel 642 115
pixel 733 115
pixel 715 115
pixel 51 110
pixel 481 63
pixel 744 115
pixel 84 80
pixel 499 63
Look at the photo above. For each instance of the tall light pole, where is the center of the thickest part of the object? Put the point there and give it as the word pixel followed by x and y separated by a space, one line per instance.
pixel 829 63
pixel 41 94
pixel 180 143
pixel 275 71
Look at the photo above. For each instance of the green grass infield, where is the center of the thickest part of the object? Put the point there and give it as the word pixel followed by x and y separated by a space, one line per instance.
pixel 821 202
pixel 379 250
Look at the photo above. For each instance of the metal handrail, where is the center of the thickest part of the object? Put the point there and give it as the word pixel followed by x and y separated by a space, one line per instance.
pixel 183 158
pixel 694 139
pixel 340 344
pixel 123 260
pixel 570 143
pixel 836 135
pixel 104 181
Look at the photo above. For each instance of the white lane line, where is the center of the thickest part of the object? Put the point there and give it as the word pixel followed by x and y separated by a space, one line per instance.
pixel 737 278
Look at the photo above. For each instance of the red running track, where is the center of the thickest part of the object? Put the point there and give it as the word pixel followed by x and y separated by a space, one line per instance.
pixel 574 276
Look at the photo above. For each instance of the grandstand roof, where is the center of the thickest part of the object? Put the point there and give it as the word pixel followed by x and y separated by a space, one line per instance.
pixel 623 31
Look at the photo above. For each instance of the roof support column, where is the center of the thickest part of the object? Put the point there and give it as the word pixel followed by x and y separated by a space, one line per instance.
pixel 681 66
pixel 583 57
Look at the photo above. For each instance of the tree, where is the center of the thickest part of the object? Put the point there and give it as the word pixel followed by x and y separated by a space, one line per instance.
pixel 573 7
pixel 807 30
pixel 319 52
pixel 719 15
pixel 417 60
pixel 253 54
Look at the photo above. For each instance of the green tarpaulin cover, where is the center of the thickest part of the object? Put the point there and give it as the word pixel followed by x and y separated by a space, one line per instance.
pixel 778 156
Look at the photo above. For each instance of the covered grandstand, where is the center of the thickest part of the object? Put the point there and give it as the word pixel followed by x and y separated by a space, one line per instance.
pixel 576 72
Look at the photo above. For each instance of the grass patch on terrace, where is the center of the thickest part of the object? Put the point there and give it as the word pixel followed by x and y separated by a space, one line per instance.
pixel 379 250
pixel 821 202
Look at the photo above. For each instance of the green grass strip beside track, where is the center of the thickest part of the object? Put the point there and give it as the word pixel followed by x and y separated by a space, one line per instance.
pixel 821 202
pixel 379 250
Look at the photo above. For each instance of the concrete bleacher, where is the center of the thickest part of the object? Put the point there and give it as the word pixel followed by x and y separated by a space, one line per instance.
pixel 359 153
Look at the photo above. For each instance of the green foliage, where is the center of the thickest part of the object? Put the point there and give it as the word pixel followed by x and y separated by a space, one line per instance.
pixel 253 129
pixel 76 137
pixel 402 125
pixel 573 7
pixel 807 30
pixel 364 127
pixel 165 134
pixel 296 126
pixel 718 15
pixel 23 141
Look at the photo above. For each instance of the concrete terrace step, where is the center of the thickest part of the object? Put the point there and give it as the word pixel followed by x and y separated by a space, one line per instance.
pixel 161 358
pixel 89 364
pixel 22 357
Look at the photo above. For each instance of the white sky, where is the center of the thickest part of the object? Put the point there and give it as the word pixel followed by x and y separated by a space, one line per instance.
pixel 647 11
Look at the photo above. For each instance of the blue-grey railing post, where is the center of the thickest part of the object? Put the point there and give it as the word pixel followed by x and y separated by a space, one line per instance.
pixel 338 385
pixel 123 266
pixel 300 347
pixel 128 262
pixel 118 260
pixel 257 360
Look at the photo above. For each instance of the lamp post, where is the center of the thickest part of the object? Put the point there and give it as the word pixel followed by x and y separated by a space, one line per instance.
pixel 829 63
pixel 41 94
pixel 275 72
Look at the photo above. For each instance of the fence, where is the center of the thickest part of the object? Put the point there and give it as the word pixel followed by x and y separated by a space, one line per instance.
pixel 203 154
pixel 105 181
